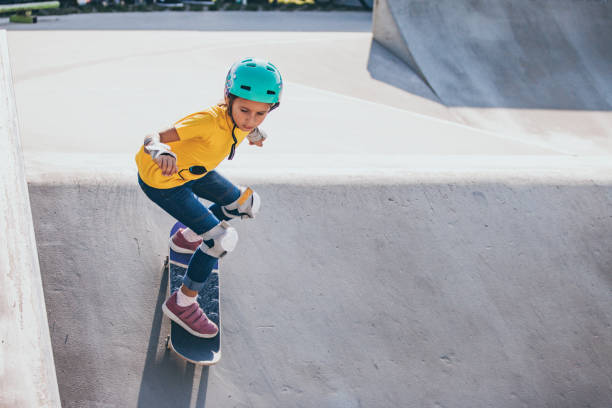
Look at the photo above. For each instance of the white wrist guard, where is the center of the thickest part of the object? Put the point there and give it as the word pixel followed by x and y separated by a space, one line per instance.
pixel 153 138
pixel 157 149
pixel 256 135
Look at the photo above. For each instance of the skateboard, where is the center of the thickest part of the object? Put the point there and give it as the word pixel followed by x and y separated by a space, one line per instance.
pixel 195 350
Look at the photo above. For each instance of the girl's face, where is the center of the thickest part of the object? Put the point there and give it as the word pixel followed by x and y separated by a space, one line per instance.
pixel 249 114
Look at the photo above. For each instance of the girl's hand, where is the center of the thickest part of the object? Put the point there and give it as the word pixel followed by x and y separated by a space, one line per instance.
pixel 167 164
pixel 257 137
pixel 257 143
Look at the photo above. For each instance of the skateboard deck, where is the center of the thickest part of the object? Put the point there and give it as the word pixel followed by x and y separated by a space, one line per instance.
pixel 195 350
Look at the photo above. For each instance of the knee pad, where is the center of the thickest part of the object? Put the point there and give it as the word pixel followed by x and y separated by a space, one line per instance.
pixel 246 206
pixel 222 239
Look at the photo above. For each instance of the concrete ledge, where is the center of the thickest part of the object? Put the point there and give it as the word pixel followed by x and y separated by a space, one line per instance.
pixel 410 290
pixel 27 370
pixel 103 169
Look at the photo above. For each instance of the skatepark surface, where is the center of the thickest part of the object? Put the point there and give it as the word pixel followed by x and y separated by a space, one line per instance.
pixel 408 253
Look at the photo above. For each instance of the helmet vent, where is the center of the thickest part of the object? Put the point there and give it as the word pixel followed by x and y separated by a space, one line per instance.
pixel 246 87
pixel 251 64
pixel 271 92
pixel 269 68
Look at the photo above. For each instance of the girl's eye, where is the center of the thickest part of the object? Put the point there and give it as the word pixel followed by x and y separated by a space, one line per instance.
pixel 244 110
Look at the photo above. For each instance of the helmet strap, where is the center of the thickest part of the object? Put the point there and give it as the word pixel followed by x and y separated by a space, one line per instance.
pixel 233 149
pixel 230 104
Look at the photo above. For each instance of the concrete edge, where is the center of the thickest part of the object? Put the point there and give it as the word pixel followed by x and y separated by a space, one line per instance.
pixel 386 31
pixel 27 369
pixel 119 169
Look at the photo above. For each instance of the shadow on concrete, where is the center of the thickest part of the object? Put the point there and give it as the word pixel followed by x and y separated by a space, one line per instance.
pixel 168 380
pixel 386 67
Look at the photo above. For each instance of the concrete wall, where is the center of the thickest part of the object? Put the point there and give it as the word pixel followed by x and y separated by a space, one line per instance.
pixel 386 31
pixel 370 289
pixel 27 371
pixel 519 54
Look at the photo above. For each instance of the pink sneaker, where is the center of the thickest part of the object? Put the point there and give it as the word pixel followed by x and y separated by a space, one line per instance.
pixel 190 318
pixel 179 244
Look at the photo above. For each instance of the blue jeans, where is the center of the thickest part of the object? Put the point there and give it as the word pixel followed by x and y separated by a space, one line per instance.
pixel 182 203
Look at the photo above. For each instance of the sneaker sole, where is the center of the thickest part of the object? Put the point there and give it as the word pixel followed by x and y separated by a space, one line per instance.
pixel 178 321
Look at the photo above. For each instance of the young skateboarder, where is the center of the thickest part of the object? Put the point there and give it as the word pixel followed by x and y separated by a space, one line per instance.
pixel 177 165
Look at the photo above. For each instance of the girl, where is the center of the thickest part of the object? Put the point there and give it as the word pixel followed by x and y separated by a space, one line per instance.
pixel 176 166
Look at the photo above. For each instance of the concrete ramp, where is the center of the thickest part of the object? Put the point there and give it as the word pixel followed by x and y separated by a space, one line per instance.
pixel 511 54
pixel 417 287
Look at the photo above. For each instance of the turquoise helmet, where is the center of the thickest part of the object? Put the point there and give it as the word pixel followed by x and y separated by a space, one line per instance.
pixel 256 80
